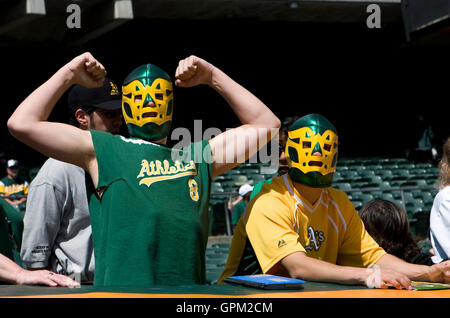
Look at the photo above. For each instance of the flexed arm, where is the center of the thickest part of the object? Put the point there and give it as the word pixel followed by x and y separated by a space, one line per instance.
pixel 259 124
pixel 64 142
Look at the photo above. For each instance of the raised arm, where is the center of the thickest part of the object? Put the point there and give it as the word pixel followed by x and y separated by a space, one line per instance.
pixel 64 142
pixel 259 124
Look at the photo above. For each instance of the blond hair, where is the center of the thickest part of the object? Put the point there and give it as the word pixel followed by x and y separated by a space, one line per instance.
pixel 444 165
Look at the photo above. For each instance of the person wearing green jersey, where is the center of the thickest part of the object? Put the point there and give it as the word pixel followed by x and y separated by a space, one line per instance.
pixel 149 205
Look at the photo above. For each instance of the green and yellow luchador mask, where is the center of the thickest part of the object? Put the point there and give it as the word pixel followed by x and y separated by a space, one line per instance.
pixel 312 151
pixel 147 102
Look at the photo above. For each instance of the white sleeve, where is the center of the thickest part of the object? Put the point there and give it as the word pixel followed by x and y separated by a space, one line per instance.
pixel 41 224
pixel 440 229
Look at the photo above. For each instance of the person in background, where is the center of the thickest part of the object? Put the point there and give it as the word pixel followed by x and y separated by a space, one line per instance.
pixel 440 211
pixel 422 148
pixel 238 206
pixel 13 188
pixel 388 225
pixel 57 233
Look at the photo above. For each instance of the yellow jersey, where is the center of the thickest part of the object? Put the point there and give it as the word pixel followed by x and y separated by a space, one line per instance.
pixel 279 221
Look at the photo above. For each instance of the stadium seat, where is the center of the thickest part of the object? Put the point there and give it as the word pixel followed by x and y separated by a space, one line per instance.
pixel 268 170
pixel 255 178
pixel 366 197
pixel 215 260
pixel 357 204
pixel 385 174
pixel 239 180
pixel 401 172
pixel 414 183
pixel 426 196
pixel 367 173
pixel 343 186
pixel 216 187
pixel 387 196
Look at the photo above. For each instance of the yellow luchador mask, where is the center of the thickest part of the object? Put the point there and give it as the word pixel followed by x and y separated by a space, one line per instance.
pixel 147 102
pixel 312 151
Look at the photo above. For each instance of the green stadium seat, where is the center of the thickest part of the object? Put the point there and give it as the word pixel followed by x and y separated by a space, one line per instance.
pixel 268 170
pixel 213 275
pixel 384 185
pixel 343 186
pixel 216 187
pixel 248 171
pixel 412 208
pixel 427 197
pixel 233 172
pixel 407 166
pixel 349 174
pixel 367 173
pixel 387 196
pixel 423 165
pixel 358 168
pixel 239 180
pixel 366 197
pixel 390 166
pixel 418 171
pixel 385 174
pixel 399 160
pixel 256 178
pixel 357 204
pixel 408 196
pixel 433 170
pixel 414 183
pixel 33 172
pixel 401 172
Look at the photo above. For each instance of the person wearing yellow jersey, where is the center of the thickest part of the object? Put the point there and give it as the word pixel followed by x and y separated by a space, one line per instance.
pixel 300 227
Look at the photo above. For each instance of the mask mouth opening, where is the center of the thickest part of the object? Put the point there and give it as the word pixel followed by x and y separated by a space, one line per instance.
pixel 149 114
pixel 313 163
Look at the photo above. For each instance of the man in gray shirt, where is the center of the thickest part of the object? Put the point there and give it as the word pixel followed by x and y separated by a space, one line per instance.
pixel 57 231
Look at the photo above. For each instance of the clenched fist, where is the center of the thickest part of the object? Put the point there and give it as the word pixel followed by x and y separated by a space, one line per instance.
pixel 193 71
pixel 86 71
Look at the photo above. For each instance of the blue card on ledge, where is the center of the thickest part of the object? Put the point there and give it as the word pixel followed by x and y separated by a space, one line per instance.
pixel 265 281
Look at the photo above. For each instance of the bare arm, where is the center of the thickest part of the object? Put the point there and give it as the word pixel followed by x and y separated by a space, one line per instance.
pixel 299 265
pixel 13 273
pixel 61 141
pixel 437 273
pixel 259 124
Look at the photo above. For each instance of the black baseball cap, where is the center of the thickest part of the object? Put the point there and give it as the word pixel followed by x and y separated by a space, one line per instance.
pixel 108 97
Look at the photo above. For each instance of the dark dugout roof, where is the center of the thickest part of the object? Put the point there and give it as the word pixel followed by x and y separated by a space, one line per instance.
pixel 28 21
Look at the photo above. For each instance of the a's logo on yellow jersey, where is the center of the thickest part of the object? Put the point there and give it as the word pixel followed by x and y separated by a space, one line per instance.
pixel 315 239
pixel 155 171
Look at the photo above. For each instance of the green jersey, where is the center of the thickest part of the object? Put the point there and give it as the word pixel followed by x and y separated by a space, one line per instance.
pixel 150 216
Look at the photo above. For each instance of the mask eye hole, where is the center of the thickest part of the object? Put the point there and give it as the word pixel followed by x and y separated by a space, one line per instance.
pixel 306 144
pixel 159 96
pixel 327 147
pixel 137 98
